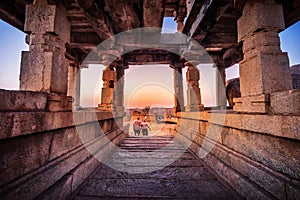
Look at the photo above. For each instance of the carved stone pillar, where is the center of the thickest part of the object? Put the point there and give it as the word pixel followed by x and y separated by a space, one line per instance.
pixel 109 81
pixel 193 90
pixel 178 88
pixel 265 68
pixel 74 84
pixel 44 67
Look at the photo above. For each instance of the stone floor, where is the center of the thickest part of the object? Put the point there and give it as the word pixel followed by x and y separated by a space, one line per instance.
pixel 152 168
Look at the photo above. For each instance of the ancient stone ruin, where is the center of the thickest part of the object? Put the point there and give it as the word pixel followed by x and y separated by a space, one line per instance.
pixel 51 148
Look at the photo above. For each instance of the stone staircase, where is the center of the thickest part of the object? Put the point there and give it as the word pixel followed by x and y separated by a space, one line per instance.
pixel 152 168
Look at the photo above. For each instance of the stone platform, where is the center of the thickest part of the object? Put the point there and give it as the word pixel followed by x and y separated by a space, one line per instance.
pixel 185 178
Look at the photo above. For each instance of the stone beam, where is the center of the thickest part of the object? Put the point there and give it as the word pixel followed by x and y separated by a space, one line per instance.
pixel 11 19
pixel 153 13
pixel 96 17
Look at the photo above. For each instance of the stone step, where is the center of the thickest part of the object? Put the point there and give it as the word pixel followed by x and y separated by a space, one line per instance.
pixel 152 167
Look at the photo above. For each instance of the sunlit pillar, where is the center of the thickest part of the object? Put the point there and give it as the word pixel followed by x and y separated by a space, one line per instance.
pixel 193 90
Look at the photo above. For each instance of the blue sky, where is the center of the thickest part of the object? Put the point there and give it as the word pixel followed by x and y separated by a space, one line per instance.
pixel 12 42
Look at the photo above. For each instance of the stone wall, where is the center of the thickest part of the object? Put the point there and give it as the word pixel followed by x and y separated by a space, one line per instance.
pixel 258 155
pixel 43 154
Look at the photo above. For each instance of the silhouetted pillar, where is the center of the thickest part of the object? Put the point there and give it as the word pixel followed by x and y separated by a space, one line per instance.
pixel 119 91
pixel 265 68
pixel 193 90
pixel 220 87
pixel 74 84
pixel 178 88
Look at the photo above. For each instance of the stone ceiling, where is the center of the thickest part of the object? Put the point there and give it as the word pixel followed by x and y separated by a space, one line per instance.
pixel 212 23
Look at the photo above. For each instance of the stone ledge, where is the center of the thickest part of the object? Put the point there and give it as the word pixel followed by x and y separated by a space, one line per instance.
pixel 24 123
pixel 277 125
pixel 22 101
pixel 256 175
pixel 39 181
pixel 286 102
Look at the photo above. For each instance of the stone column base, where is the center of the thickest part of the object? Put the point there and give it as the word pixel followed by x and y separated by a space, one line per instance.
pixel 119 109
pixel 194 108
pixel 178 109
pixel 58 102
pixel 286 102
pixel 252 104
pixel 106 107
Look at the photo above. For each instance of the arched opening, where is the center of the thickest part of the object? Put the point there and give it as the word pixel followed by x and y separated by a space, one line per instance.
pixel 149 95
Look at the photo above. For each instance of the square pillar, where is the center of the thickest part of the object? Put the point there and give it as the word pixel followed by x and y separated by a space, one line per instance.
pixel 119 91
pixel 178 88
pixel 220 87
pixel 74 84
pixel 265 68
pixel 44 67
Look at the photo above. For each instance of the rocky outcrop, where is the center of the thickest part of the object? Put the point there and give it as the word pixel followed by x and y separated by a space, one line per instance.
pixel 232 90
pixel 295 72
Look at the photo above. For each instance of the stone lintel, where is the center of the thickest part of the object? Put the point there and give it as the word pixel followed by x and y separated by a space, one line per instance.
pixel 252 104
pixel 286 102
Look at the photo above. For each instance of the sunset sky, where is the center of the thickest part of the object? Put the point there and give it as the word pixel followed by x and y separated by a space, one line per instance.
pixel 144 85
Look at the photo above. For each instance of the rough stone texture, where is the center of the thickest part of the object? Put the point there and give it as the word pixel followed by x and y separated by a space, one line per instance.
pixel 58 102
pixel 37 65
pixel 295 72
pixel 39 166
pixel 246 159
pixel 252 104
pixel 287 102
pixel 260 15
pixel 233 90
pixel 265 68
pixel 22 101
pixel 184 178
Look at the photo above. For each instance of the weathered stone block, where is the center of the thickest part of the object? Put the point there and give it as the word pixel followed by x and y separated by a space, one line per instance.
pixel 259 15
pixel 22 101
pixel 252 104
pixel 64 141
pixel 287 102
pixel 36 70
pixel 40 19
pixel 48 18
pixel 262 148
pixel 23 155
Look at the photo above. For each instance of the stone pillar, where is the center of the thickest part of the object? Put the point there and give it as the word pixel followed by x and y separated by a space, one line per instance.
pixel 178 88
pixel 220 87
pixel 119 91
pixel 193 90
pixel 109 81
pixel 265 68
pixel 44 67
pixel 180 23
pixel 74 84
